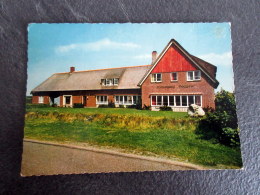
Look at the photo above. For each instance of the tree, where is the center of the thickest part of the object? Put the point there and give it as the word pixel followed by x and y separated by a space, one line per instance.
pixel 221 124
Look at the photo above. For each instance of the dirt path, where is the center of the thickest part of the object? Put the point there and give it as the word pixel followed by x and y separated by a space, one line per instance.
pixel 49 159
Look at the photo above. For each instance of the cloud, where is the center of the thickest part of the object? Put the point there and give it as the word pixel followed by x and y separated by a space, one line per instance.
pixel 97 46
pixel 143 57
pixel 224 59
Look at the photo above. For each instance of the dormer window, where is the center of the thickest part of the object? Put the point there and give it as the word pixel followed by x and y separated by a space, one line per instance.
pixel 194 75
pixel 110 82
pixel 116 81
pixel 156 78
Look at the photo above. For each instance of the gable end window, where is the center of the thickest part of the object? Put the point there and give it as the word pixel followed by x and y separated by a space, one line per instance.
pixel 156 77
pixel 174 76
pixel 194 75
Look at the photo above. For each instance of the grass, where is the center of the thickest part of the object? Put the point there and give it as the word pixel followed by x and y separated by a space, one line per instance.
pixel 121 111
pixel 139 131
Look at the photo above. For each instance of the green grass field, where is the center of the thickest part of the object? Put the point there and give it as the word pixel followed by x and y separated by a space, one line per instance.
pixel 166 134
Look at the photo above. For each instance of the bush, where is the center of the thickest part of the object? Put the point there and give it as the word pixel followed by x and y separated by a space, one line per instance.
pixel 78 105
pixel 165 108
pixel 121 106
pixel 221 125
pixel 146 107
pixel 54 105
pixel 103 106
pixel 131 106
pixel 111 104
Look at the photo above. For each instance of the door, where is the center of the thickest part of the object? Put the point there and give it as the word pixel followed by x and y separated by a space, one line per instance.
pixel 67 101
pixel 85 101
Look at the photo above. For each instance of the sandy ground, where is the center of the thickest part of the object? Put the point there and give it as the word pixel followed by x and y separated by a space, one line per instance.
pixel 47 159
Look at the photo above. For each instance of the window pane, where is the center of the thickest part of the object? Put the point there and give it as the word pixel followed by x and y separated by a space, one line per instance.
pixel 115 81
pixel 174 76
pixel 190 76
pixel 171 100
pixel 159 100
pixel 178 100
pixel 165 100
pixel 117 99
pixel 105 98
pixel 153 100
pixel 153 77
pixel 125 99
pixel 191 99
pixel 197 100
pixel 197 75
pixel 159 77
pixel 67 100
pixel 184 100
pixel 121 99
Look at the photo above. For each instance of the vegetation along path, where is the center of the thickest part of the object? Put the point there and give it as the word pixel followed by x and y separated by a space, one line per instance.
pixel 164 134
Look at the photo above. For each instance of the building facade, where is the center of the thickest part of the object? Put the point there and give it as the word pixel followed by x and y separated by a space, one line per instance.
pixel 175 79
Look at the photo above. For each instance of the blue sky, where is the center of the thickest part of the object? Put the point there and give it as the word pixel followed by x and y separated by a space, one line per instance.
pixel 56 47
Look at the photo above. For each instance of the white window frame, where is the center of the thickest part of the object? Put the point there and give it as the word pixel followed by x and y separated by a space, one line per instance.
pixel 193 75
pixel 128 98
pixel 176 76
pixel 98 97
pixel 115 79
pixel 64 100
pixel 154 78
pixel 41 99
pixel 181 96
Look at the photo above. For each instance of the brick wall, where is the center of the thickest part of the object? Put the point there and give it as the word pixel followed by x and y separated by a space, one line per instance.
pixel 182 87
pixel 35 100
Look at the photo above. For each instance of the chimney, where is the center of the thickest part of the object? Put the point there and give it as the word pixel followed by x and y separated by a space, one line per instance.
pixel 72 69
pixel 154 56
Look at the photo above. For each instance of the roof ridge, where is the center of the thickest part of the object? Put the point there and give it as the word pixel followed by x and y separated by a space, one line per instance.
pixel 103 69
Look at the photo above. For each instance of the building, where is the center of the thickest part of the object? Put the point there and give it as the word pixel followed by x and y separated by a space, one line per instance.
pixel 175 78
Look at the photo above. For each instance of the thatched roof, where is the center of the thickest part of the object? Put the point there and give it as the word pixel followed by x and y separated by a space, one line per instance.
pixel 129 77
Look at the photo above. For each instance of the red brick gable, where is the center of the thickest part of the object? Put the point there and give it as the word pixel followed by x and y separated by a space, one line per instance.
pixel 173 61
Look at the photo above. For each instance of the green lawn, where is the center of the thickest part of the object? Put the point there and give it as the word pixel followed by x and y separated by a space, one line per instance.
pixel 121 111
pixel 166 134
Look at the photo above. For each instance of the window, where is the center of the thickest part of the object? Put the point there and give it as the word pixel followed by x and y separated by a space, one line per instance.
pixel 193 75
pixel 176 100
pixel 116 81
pixel 41 100
pixel 110 82
pixel 127 99
pixel 171 100
pixel 198 100
pixel 67 99
pixel 165 100
pixel 191 99
pixel 174 76
pixel 101 99
pixel 156 77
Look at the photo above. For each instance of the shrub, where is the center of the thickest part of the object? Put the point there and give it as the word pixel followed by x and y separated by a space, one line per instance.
pixel 165 108
pixel 54 105
pixel 131 106
pixel 121 106
pixel 103 106
pixel 146 107
pixel 78 105
pixel 221 125
pixel 111 104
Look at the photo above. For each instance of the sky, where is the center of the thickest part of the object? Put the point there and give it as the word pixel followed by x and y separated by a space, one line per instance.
pixel 54 48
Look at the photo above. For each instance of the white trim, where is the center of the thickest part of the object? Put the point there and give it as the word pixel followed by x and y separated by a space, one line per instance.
pixel 155 62
pixel 193 75
pixel 185 53
pixel 103 102
pixel 156 79
pixel 174 106
pixel 65 101
pixel 42 99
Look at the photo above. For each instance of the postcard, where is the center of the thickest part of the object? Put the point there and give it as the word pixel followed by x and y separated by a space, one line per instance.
pixel 129 97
